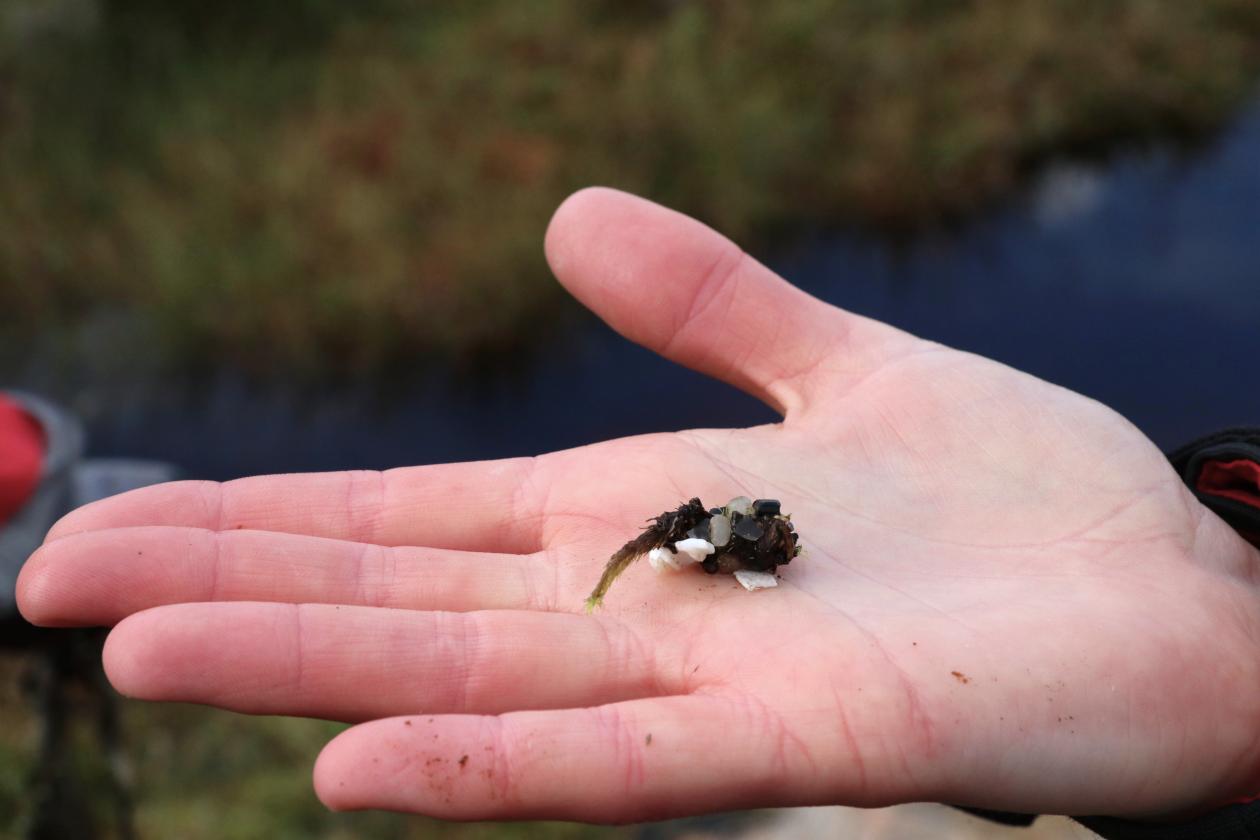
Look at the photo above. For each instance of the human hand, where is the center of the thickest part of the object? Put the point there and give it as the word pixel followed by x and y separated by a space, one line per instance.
pixel 1006 597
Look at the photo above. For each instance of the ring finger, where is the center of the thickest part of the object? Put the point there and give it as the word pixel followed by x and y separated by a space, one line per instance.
pixel 358 663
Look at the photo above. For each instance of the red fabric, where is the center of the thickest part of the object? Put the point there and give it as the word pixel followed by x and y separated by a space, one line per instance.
pixel 21 457
pixel 1240 481
pixel 1237 480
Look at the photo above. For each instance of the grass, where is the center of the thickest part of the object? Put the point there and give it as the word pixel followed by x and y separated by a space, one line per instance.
pixel 343 186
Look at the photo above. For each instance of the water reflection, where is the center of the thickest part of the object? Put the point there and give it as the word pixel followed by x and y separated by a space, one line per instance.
pixel 1136 284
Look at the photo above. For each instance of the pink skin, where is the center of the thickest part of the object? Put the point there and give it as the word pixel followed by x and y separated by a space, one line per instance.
pixel 1006 598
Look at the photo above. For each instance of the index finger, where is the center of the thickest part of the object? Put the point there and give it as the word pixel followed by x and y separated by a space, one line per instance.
pixel 473 506
pixel 683 290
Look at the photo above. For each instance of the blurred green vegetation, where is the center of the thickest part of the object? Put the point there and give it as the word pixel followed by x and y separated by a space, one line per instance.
pixel 203 774
pixel 341 185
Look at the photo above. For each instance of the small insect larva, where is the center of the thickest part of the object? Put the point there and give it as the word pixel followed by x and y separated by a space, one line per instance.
pixel 746 538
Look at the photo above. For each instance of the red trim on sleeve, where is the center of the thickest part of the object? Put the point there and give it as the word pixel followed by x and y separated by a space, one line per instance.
pixel 1237 480
pixel 21 457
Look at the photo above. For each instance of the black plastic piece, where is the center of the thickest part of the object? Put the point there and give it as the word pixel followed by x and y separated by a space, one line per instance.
pixel 747 528
pixel 765 507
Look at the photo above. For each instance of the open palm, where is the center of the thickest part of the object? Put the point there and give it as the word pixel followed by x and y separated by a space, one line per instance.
pixel 1005 598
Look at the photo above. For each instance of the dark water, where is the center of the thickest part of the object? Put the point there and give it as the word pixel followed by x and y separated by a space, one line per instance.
pixel 1137 283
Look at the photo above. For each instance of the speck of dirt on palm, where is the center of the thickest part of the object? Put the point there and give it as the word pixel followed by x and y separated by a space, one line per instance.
pixel 961 677
pixel 463 759
pixel 648 739
pixel 406 723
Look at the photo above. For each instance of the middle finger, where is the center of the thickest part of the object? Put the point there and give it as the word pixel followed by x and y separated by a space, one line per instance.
pixel 100 577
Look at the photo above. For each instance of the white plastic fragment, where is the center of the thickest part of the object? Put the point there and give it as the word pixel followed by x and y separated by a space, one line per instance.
pixel 740 504
pixel 661 559
pixel 694 549
pixel 752 581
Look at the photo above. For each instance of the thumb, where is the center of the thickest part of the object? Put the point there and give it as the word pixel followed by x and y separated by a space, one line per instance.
pixel 681 289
